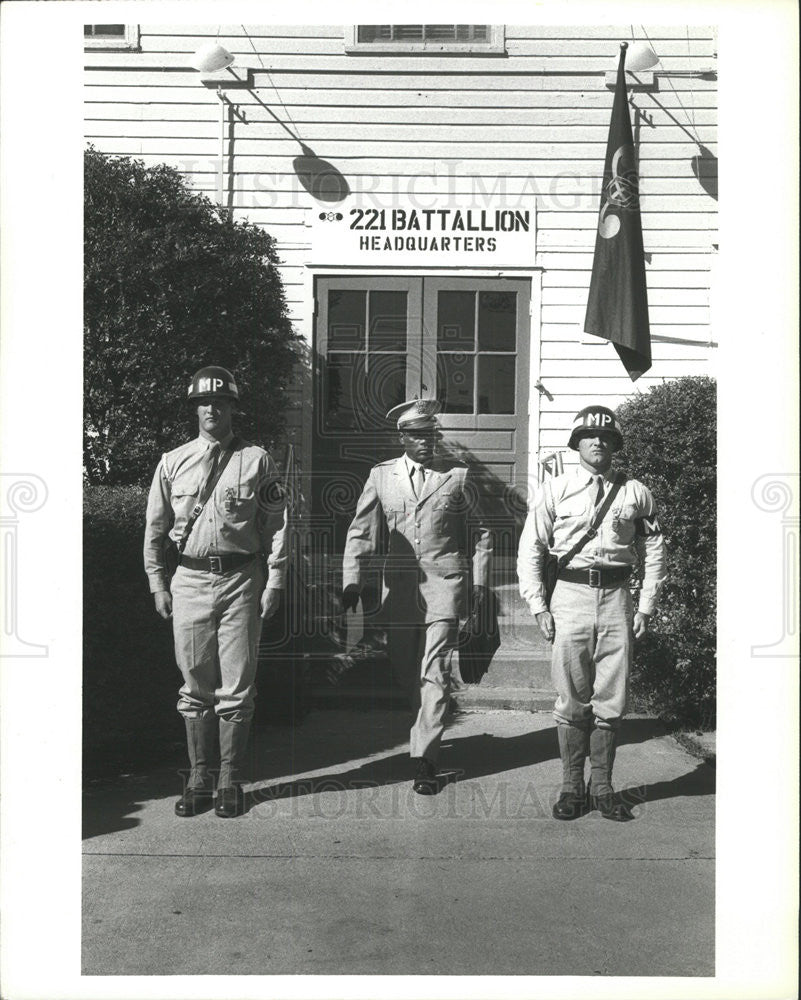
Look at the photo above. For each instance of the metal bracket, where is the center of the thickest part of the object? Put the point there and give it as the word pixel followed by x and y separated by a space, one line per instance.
pixel 644 80
pixel 229 79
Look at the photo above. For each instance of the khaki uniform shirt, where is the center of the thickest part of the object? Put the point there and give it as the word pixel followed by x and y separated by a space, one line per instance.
pixel 245 514
pixel 562 511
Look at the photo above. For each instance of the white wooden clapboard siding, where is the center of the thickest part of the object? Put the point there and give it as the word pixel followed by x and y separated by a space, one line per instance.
pixel 528 124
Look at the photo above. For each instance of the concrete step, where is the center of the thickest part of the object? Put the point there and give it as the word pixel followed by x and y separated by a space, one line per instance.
pixel 519 676
pixel 513 683
pixel 517 671
pixel 359 696
pixel 465 698
pixel 477 697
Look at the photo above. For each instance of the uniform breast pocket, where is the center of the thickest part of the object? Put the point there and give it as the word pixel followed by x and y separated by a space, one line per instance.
pixel 184 498
pixel 571 510
pixel 239 504
pixel 623 523
pixel 448 508
pixel 395 513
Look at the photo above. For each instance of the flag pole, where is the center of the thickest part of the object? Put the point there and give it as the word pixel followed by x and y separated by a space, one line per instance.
pixel 617 302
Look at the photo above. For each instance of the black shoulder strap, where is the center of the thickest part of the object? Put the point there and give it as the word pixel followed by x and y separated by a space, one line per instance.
pixel 592 531
pixel 207 491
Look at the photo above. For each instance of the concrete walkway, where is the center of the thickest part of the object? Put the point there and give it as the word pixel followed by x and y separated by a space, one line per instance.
pixel 339 868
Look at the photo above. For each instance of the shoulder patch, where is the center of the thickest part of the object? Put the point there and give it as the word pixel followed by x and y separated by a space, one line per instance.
pixel 645 526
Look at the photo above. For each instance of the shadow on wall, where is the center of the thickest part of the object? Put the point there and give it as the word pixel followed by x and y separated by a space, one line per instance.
pixel 705 168
pixel 704 163
pixel 319 177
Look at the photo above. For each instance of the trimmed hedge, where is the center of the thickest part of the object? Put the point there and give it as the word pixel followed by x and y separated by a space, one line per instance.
pixel 130 680
pixel 670 445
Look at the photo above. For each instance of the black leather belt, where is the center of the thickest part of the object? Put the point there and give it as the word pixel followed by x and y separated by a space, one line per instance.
pixel 600 576
pixel 219 564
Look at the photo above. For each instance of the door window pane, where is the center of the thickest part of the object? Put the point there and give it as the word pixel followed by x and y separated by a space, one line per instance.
pixel 497 320
pixel 347 312
pixel 388 321
pixel 455 382
pixel 385 387
pixel 496 383
pixel 366 358
pixel 456 321
pixel 344 373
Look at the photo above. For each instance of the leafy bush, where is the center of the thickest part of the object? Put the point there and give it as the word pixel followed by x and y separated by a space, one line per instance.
pixel 670 445
pixel 171 284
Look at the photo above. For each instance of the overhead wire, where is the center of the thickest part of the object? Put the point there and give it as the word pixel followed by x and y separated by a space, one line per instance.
pixel 690 121
pixel 277 94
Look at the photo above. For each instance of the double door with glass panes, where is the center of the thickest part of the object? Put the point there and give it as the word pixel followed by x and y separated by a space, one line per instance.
pixel 380 341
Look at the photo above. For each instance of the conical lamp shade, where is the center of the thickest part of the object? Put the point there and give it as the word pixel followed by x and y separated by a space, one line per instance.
pixel 640 56
pixel 211 57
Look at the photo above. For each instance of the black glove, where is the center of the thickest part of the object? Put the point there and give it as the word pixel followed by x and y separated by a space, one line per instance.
pixel 350 597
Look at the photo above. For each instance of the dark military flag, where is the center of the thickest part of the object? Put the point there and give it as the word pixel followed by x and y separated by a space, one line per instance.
pixel 617 306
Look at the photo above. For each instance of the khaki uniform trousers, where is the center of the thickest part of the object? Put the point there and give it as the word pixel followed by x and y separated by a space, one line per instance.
pixel 216 627
pixel 421 654
pixel 592 651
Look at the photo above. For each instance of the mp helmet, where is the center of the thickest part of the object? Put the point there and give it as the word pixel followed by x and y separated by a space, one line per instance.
pixel 590 421
pixel 212 383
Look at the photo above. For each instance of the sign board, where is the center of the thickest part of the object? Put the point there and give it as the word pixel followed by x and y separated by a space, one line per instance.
pixel 447 233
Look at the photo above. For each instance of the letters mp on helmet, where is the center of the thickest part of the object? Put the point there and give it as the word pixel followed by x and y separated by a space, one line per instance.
pixel 591 420
pixel 213 382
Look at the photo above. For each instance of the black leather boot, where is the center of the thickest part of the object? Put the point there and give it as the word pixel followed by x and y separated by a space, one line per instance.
pixel 233 747
pixel 603 743
pixel 197 796
pixel 230 802
pixel 573 748
pixel 193 801
pixel 425 778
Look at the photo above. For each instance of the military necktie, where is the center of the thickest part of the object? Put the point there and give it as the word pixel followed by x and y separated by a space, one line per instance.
pixel 600 494
pixel 418 480
pixel 210 461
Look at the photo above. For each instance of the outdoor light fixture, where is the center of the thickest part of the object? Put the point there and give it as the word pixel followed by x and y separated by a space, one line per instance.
pixel 640 56
pixel 214 63
pixel 640 62
pixel 211 58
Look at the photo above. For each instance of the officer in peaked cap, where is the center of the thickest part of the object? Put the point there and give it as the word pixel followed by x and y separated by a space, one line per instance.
pixel 591 622
pixel 423 505
pixel 231 562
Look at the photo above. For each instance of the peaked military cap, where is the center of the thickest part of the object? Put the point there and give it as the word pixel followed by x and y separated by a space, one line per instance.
pixel 415 414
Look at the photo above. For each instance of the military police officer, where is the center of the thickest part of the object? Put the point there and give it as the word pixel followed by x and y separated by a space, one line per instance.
pixel 422 506
pixel 590 620
pixel 217 596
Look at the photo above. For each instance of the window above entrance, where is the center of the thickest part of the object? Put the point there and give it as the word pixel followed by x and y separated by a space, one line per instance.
pixel 433 38
pixel 111 36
